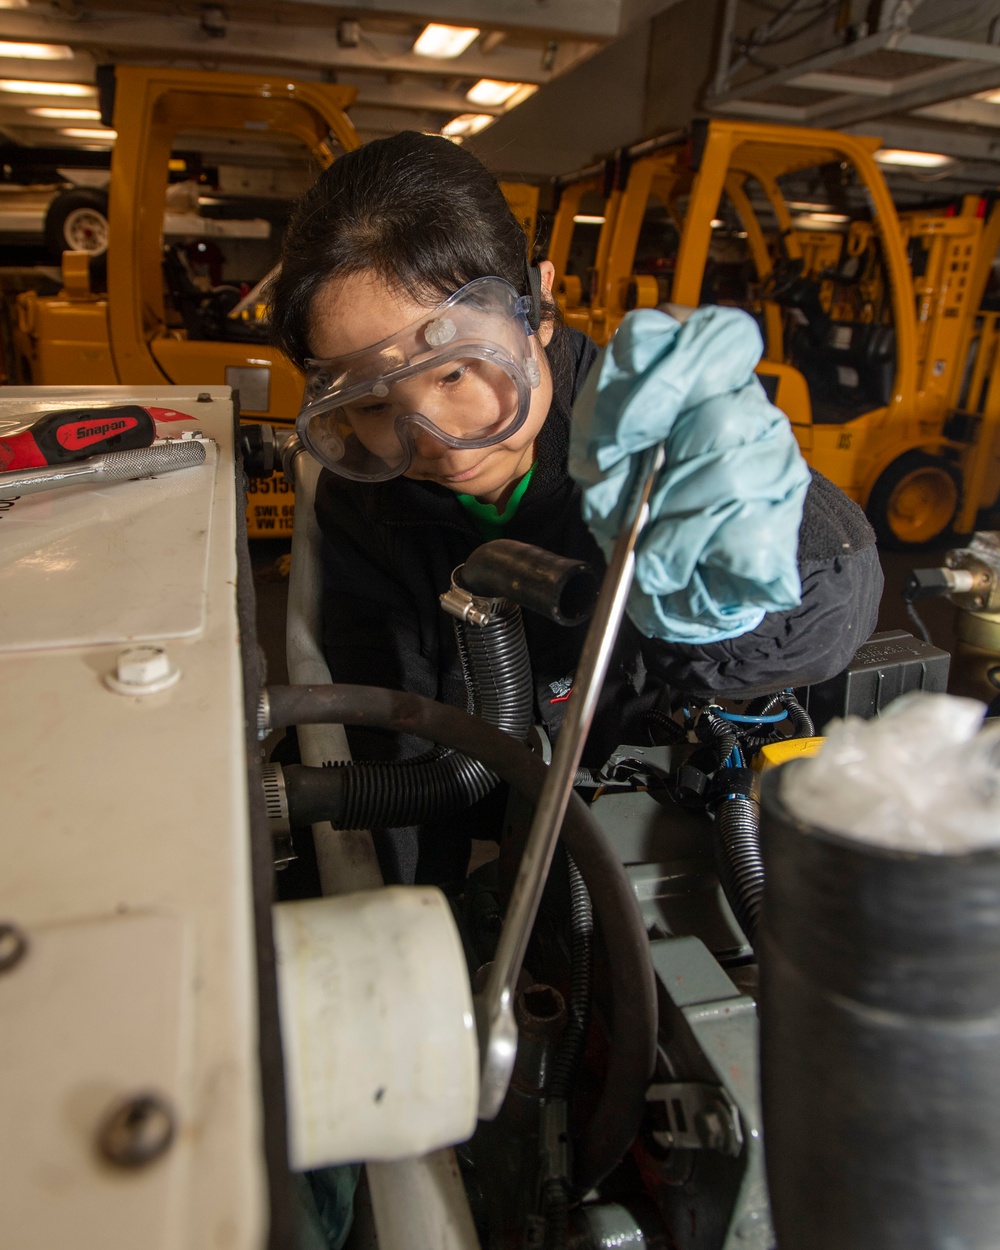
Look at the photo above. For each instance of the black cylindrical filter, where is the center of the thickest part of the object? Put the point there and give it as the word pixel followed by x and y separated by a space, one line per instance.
pixel 880 1040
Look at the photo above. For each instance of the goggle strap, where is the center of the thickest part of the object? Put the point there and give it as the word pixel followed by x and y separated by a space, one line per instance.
pixel 533 281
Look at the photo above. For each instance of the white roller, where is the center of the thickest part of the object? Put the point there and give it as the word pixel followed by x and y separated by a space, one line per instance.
pixel 381 1060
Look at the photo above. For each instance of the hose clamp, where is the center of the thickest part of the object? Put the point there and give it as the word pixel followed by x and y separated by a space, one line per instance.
pixel 467 607
pixel 263 716
pixel 275 798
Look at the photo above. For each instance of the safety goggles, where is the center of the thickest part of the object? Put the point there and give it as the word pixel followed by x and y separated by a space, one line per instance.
pixel 463 373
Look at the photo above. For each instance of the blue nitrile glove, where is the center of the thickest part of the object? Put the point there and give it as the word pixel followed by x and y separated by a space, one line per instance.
pixel 719 549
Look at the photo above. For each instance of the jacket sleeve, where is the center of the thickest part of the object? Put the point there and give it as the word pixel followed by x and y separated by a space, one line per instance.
pixel 841 588
pixel 371 626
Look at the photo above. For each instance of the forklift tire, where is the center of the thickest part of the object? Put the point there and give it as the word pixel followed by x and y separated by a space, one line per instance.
pixel 77 221
pixel 914 501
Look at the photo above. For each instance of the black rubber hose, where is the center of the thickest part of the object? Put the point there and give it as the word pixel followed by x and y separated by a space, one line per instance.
pixel 764 705
pixel 556 1189
pixel 717 734
pixel 555 1210
pixel 802 722
pixel 581 961
pixel 632 1042
pixel 739 860
pixel 667 730
pixel 498 671
pixel 561 589
pixel 367 794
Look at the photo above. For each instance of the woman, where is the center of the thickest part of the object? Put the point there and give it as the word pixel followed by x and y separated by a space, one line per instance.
pixel 403 250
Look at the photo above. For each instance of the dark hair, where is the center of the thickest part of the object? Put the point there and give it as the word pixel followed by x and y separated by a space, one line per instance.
pixel 416 210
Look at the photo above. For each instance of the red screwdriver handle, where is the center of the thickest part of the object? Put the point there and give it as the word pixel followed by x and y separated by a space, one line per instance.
pixel 58 437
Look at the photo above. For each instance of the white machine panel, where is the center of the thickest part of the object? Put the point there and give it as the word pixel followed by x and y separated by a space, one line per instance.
pixel 126 860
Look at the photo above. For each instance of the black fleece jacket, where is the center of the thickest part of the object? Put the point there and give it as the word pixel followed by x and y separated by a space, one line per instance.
pixel 391 547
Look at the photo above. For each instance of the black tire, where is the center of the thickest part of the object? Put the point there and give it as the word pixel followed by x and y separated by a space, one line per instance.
pixel 77 220
pixel 914 502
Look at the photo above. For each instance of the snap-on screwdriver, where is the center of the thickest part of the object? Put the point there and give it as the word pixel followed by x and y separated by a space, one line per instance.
pixel 75 434
pixel 118 466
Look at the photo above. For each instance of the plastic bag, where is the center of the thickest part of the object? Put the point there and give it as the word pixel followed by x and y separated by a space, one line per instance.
pixel 923 776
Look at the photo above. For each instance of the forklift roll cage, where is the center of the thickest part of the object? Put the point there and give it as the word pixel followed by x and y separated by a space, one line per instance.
pixel 924 459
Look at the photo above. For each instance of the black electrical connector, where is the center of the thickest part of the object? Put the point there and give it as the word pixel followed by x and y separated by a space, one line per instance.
pixel 258 450
pixel 927 584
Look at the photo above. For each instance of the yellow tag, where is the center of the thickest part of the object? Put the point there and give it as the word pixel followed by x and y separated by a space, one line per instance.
pixel 776 753
pixel 270 507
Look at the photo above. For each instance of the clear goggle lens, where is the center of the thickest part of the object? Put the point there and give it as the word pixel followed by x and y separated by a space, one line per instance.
pixel 462 375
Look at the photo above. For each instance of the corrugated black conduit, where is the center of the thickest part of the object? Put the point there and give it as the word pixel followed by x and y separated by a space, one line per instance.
pixel 556 1189
pixel 718 735
pixel 738 858
pixel 368 793
pixel 633 1017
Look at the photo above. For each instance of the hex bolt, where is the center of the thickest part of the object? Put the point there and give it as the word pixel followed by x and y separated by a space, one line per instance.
pixel 714 1127
pixel 142 670
pixel 13 946
pixel 136 1131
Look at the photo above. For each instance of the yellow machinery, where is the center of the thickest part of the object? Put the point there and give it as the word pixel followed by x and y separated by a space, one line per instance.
pixel 134 335
pixel 886 371
pixel 161 321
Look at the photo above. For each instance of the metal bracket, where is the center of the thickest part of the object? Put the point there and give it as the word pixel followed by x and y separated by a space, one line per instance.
pixel 698 1117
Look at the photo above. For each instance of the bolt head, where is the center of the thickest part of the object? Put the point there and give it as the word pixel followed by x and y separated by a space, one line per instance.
pixel 142 670
pixel 141 666
pixel 136 1131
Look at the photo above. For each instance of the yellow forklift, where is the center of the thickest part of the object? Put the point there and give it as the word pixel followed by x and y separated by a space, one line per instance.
pixel 183 307
pixel 166 316
pixel 875 343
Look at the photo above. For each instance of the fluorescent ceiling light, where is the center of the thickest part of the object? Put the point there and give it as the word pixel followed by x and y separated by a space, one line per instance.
pixel 36 51
pixel 524 92
pixel 832 219
pixel 586 219
pixel 74 90
pixel 820 221
pixel 444 42
pixel 79 133
pixel 717 223
pixel 67 114
pixel 466 124
pixel 13 4
pixel 491 93
pixel 915 160
pixel 807 206
pixel 991 97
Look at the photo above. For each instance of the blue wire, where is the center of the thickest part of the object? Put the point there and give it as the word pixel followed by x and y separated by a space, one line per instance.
pixel 737 719
pixel 735 759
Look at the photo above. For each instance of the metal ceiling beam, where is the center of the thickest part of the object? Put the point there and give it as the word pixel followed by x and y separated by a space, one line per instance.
pixel 780 77
pixel 965 112
pixel 584 19
pixel 963 50
pixel 760 110
pixel 843 84
pixel 897 133
pixel 107 32
pixel 391 120
pixel 849 85
pixel 414 95
pixel 964 81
